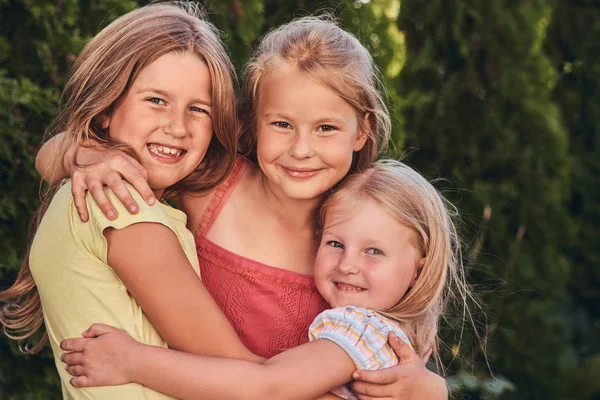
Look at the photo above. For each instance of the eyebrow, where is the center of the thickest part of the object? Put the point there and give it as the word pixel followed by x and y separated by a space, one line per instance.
pixel 277 115
pixel 319 121
pixel 166 94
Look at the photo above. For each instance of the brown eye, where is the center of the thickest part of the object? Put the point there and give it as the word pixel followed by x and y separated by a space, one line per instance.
pixel 326 128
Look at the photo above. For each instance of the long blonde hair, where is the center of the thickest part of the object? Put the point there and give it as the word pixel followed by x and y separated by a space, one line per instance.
pixel 331 57
pixel 102 74
pixel 413 201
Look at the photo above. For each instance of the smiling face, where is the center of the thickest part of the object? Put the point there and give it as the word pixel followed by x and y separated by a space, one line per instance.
pixel 306 134
pixel 166 117
pixel 366 258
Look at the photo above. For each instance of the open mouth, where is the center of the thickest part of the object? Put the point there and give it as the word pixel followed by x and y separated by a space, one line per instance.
pixel 162 151
pixel 345 287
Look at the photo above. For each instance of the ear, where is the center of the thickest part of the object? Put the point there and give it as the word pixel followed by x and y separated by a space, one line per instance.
pixel 418 269
pixel 362 136
pixel 104 119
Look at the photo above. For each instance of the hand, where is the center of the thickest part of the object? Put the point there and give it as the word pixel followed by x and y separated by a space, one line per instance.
pixel 110 168
pixel 100 358
pixel 408 380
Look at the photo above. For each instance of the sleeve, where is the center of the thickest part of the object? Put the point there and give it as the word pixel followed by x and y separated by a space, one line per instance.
pixel 90 234
pixel 362 333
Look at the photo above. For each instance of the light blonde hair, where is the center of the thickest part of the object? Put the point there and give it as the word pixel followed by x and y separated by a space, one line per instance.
pixel 331 57
pixel 102 74
pixel 414 202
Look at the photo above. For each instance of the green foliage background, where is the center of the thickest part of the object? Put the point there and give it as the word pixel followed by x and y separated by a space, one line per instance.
pixel 500 97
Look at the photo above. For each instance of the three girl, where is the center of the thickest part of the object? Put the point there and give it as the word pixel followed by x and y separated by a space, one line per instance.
pixel 388 253
pixel 312 116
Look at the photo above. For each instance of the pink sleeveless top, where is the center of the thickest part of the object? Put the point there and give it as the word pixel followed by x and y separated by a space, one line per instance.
pixel 270 308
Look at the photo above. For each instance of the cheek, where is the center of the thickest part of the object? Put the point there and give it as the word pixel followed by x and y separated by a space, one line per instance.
pixel 268 145
pixel 320 264
pixel 339 152
pixel 203 133
pixel 325 262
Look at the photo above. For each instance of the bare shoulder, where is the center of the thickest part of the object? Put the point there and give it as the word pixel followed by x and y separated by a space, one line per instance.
pixel 194 205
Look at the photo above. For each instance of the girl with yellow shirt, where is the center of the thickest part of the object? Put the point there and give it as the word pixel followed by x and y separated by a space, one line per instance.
pixel 156 83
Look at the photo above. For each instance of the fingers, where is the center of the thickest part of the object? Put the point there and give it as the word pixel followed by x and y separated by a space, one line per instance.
pixel 74 344
pixel 72 358
pixel 75 370
pixel 80 381
pixel 96 189
pixel 369 391
pixel 110 171
pixel 379 377
pixel 116 184
pixel 137 175
pixel 403 350
pixel 78 190
pixel 97 330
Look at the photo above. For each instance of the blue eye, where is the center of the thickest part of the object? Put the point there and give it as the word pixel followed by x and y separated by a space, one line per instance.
pixel 156 100
pixel 281 124
pixel 375 251
pixel 335 244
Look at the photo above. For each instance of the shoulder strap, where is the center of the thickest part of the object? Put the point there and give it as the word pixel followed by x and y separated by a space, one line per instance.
pixel 220 197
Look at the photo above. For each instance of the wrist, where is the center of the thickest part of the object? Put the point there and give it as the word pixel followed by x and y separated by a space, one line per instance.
pixel 137 357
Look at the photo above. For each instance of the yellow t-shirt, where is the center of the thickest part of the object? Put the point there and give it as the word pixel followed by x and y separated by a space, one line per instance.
pixel 77 287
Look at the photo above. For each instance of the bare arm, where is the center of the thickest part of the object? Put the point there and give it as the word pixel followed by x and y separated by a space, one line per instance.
pixel 148 258
pixel 300 373
pixel 56 147
pixel 303 372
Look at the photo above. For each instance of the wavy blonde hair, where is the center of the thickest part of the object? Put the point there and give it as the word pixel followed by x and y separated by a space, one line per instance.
pixel 102 74
pixel 411 200
pixel 331 57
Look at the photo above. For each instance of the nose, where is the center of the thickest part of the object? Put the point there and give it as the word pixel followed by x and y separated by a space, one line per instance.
pixel 301 147
pixel 348 264
pixel 174 125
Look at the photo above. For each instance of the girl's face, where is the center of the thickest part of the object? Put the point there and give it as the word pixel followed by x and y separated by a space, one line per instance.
pixel 166 117
pixel 306 134
pixel 366 259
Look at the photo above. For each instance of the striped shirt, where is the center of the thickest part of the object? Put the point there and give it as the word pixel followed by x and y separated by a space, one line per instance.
pixel 363 334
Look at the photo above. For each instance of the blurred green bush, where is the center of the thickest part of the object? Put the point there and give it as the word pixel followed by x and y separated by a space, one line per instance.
pixel 500 97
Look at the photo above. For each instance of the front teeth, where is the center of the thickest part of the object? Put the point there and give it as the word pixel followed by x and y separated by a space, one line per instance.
pixel 164 150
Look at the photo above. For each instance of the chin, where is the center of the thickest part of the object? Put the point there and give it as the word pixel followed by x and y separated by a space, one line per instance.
pixel 304 194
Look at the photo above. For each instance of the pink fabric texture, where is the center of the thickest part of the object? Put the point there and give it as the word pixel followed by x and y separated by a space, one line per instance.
pixel 270 308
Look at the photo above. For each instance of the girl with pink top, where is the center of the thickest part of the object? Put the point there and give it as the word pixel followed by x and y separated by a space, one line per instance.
pixel 312 115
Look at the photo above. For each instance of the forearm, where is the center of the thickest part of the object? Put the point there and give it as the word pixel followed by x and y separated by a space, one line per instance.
pixel 54 158
pixel 301 373
pixel 188 376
